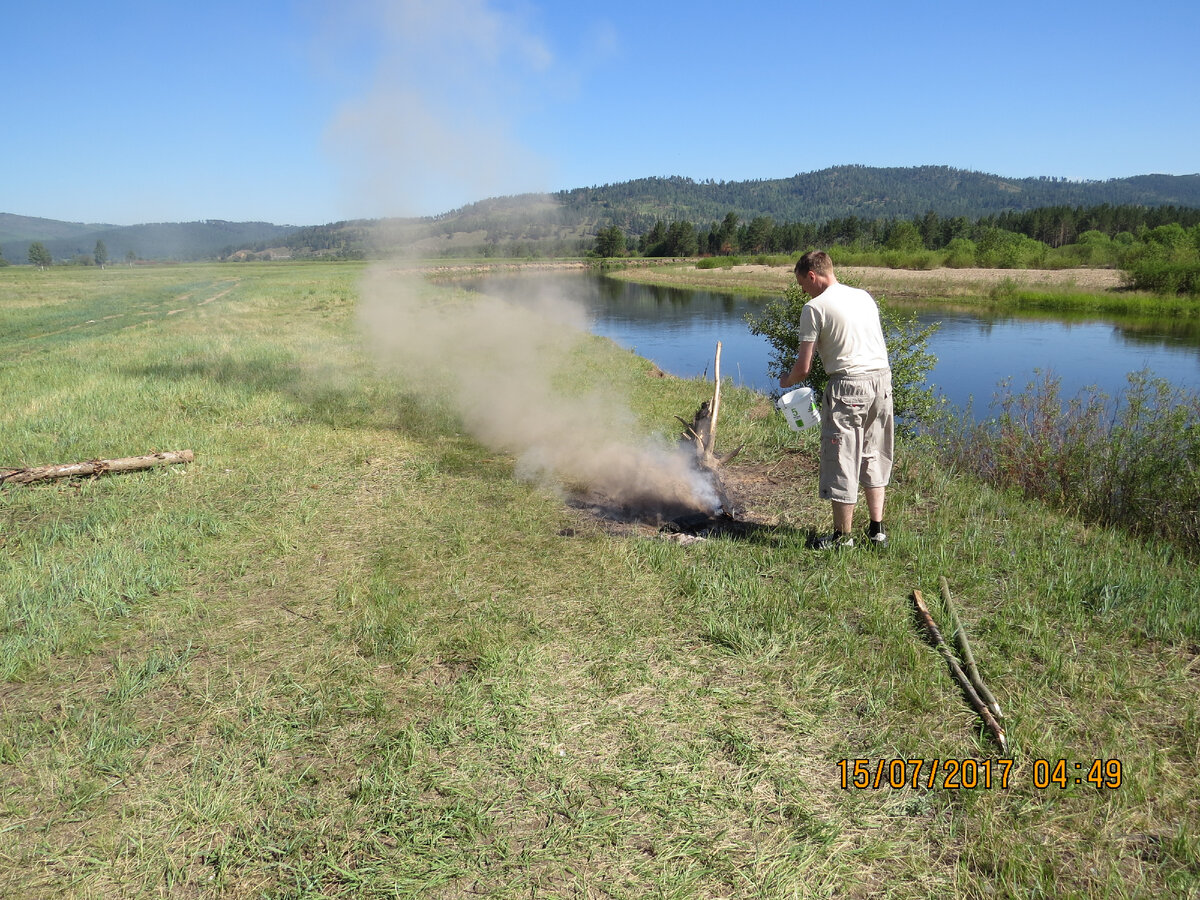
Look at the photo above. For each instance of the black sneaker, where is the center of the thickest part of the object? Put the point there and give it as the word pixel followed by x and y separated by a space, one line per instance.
pixel 877 541
pixel 834 541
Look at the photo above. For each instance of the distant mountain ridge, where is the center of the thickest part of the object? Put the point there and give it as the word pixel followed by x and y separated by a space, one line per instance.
pixel 575 215
pixel 182 241
pixel 872 193
pixel 27 228
pixel 869 193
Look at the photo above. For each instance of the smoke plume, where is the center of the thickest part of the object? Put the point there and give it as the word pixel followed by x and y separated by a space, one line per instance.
pixel 438 117
pixel 505 367
pixel 435 123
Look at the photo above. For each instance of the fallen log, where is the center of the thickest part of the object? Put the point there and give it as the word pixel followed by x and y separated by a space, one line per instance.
pixel 959 676
pixel 964 648
pixel 94 467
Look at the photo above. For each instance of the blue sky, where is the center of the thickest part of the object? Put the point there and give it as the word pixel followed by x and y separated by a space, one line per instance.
pixel 301 112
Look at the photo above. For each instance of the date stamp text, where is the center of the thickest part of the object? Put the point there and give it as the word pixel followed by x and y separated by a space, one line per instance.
pixel 969 774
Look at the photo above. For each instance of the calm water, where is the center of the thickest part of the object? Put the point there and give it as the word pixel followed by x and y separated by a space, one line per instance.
pixel 678 330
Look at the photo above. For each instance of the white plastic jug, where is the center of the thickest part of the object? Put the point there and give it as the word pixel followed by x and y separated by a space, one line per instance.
pixel 799 408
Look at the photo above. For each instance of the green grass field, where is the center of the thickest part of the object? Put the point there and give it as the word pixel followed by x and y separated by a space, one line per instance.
pixel 347 653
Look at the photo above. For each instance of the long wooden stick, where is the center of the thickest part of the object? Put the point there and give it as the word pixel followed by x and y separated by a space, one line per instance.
pixel 95 467
pixel 964 647
pixel 959 676
pixel 710 439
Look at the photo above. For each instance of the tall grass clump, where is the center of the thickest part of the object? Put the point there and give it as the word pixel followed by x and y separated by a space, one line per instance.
pixel 1132 461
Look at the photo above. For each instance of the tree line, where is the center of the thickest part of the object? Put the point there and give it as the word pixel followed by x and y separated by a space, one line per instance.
pixel 1157 247
pixel 1054 227
pixel 38 255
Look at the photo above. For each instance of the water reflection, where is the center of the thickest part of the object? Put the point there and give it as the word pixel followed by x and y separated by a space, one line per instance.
pixel 974 354
pixel 678 330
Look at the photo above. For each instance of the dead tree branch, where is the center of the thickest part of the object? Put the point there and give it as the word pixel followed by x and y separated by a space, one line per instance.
pixel 959 676
pixel 710 438
pixel 964 648
pixel 95 467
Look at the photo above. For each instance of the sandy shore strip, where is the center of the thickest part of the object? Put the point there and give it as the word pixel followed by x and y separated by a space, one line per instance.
pixel 907 283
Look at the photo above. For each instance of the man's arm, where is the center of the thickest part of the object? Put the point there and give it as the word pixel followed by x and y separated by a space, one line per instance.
pixel 802 366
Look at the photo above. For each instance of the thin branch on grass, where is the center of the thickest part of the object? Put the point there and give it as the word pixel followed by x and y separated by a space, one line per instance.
pixel 964 647
pixel 994 727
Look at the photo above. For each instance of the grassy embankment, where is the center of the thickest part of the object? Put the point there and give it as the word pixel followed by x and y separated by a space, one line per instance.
pixel 1065 291
pixel 346 653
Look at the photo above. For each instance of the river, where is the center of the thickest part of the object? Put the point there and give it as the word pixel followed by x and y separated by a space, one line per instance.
pixel 678 330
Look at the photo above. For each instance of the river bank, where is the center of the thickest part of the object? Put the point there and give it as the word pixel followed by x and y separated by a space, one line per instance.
pixel 904 284
pixel 767 280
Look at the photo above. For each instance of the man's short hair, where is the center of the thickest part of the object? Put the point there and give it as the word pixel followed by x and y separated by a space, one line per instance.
pixel 814 261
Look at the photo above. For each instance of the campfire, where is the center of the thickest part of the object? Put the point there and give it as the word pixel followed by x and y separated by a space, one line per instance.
pixel 692 500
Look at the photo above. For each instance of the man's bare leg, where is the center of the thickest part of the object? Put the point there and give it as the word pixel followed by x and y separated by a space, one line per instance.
pixel 875 497
pixel 843 517
pixel 843 513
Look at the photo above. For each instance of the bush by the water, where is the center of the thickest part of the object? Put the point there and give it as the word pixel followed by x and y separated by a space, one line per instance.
pixel 1164 277
pixel 1132 461
pixel 1166 260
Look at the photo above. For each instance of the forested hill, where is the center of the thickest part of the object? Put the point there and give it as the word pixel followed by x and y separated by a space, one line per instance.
pixel 866 192
pixel 566 223
pixel 861 193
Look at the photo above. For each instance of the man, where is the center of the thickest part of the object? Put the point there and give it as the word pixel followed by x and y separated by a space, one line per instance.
pixel 842 324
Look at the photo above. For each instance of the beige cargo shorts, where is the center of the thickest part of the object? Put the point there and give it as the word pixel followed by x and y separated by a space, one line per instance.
pixel 857 434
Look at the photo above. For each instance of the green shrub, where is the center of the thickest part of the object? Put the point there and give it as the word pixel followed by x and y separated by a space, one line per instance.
pixel 912 259
pixel 1061 258
pixel 719 262
pixel 1132 462
pixel 1001 249
pixel 960 254
pixel 1166 260
pixel 905 237
pixel 1095 248
pixel 856 256
pixel 1164 276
